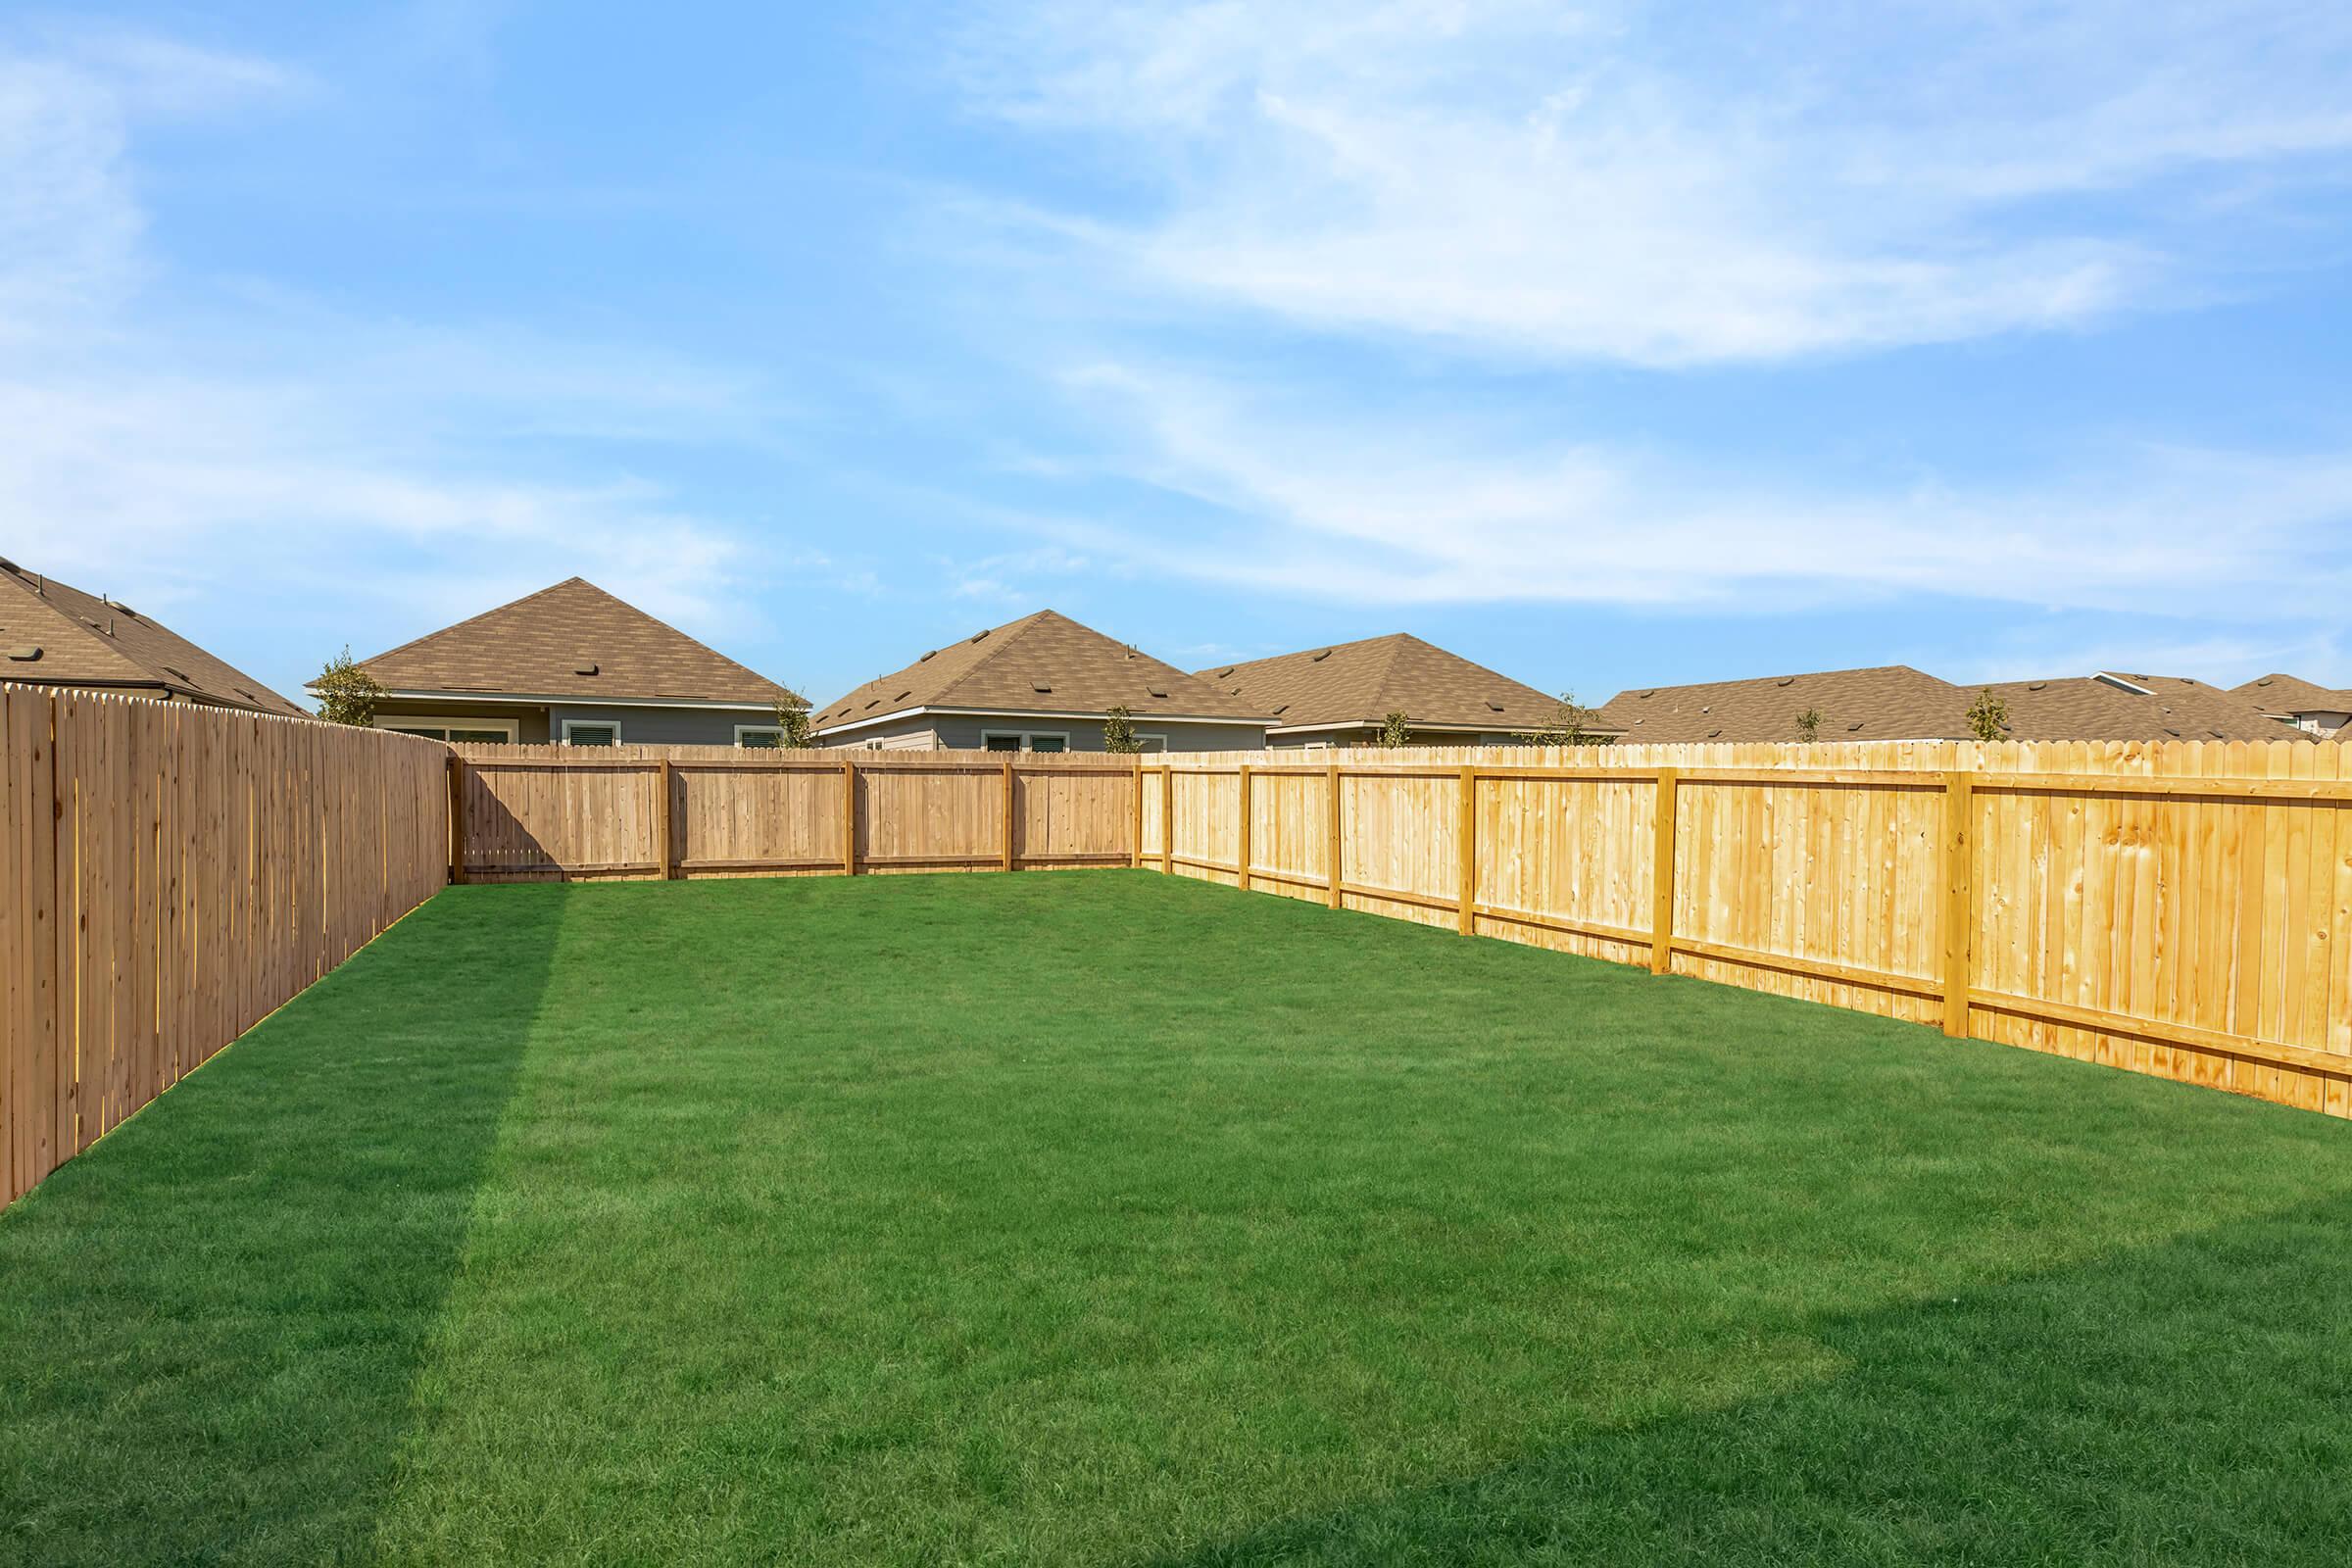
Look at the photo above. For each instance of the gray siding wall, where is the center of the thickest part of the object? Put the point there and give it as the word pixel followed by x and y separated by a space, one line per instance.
pixel 964 732
pixel 661 726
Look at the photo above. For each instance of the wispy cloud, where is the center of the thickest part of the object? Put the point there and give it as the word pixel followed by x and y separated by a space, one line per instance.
pixel 170 438
pixel 1366 508
pixel 1675 184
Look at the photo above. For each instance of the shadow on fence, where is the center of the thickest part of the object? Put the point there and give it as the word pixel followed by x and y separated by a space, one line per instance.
pixel 321 1172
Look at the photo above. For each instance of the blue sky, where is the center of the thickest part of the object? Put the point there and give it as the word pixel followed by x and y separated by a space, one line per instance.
pixel 1611 345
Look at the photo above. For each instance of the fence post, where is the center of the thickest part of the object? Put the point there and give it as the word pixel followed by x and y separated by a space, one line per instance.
pixel 1332 853
pixel 1167 819
pixel 456 818
pixel 1661 909
pixel 661 819
pixel 1241 860
pixel 1007 863
pixel 848 817
pixel 1959 903
pixel 1137 859
pixel 1466 838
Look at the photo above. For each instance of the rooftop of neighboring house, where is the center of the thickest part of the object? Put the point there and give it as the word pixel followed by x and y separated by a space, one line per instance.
pixel 2288 694
pixel 1895 702
pixel 54 634
pixel 1044 663
pixel 2116 707
pixel 1885 702
pixel 571 641
pixel 1346 685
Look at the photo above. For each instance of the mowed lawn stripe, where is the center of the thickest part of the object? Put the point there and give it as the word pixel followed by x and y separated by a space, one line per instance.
pixel 1106 1217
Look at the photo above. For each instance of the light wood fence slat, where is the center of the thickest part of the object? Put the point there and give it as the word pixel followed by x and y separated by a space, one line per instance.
pixel 170 874
pixel 2184 909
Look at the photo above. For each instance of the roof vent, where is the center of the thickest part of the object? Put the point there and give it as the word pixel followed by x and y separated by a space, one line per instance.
pixel 903 696
pixel 2169 730
pixel 1222 673
pixel 2037 686
pixel 2216 734
pixel 1855 725
pixel 1041 685
pixel 182 673
pixel 1284 708
pixel 1711 734
pixel 120 606
pixel 1493 705
pixel 1320 658
pixel 25 655
pixel 927 655
pixel 876 702
pixel 248 696
pixel 1157 691
pixel 1785 680
pixel 2265 681
pixel 585 668
pixel 1645 696
pixel 976 636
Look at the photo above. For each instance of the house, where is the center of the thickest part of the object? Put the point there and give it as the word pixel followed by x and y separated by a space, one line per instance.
pixel 1885 703
pixel 1041 683
pixel 572 665
pixel 1343 694
pixel 2111 706
pixel 2290 700
pixel 1897 703
pixel 54 634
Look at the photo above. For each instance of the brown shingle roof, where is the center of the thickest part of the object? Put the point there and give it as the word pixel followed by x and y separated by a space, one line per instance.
pixel 1887 703
pixel 1363 682
pixel 1041 662
pixel 1895 702
pixel 85 640
pixel 2096 708
pixel 2291 693
pixel 571 640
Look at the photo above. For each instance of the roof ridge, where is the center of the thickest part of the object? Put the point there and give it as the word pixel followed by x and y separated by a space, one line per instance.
pixel 537 593
pixel 1382 696
pixel 1007 635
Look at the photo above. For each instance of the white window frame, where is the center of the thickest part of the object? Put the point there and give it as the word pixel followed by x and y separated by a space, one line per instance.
pixel 504 726
pixel 570 724
pixel 1150 751
pixel 777 730
pixel 1026 737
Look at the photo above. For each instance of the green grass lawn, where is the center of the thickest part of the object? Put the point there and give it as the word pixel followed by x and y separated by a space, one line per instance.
pixel 1105 1217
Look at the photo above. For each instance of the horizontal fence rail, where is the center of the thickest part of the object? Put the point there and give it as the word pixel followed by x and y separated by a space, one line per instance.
pixel 2184 909
pixel 539 812
pixel 168 875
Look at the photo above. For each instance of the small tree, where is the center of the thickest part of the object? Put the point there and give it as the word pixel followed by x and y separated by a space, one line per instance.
pixel 346 694
pixel 1808 725
pixel 792 723
pixel 1988 717
pixel 1570 724
pixel 1397 729
pixel 1118 732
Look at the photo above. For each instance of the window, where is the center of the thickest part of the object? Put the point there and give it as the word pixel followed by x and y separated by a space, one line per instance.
pixel 461 731
pixel 1152 742
pixel 579 732
pixel 759 737
pixel 1025 740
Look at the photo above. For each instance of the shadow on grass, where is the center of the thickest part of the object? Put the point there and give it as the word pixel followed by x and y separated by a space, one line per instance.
pixel 210 1322
pixel 2186 1403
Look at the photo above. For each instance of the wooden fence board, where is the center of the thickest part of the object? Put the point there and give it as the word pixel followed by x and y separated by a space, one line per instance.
pixel 173 873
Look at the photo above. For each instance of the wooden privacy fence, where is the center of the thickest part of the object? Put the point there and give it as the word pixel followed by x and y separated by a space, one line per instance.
pixel 531 813
pixel 2182 910
pixel 168 874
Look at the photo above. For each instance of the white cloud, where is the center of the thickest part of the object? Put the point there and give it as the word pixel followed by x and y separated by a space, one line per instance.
pixel 1374 510
pixel 166 441
pixel 1675 184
